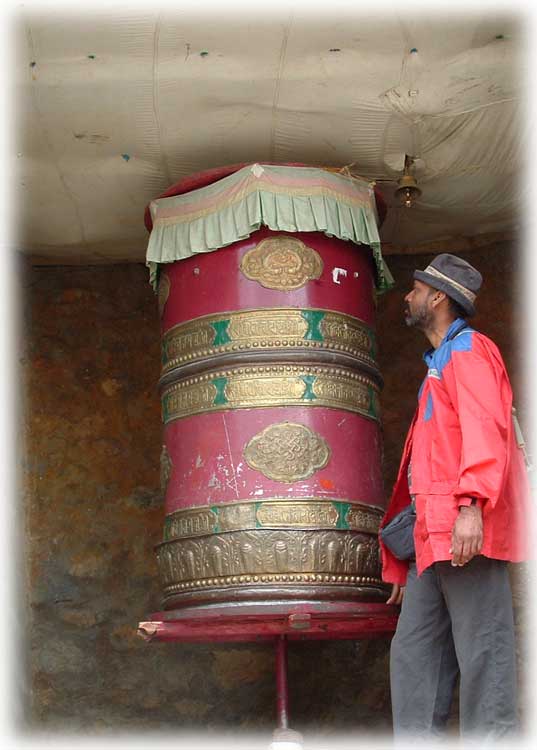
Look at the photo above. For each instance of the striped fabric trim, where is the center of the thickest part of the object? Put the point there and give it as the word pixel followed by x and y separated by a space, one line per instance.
pixel 287 199
pixel 470 296
pixel 277 180
pixel 179 215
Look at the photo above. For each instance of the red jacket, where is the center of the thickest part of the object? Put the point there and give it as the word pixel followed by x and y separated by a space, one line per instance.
pixel 461 444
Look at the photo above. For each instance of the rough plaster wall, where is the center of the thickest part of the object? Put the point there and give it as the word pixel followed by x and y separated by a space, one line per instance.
pixel 93 511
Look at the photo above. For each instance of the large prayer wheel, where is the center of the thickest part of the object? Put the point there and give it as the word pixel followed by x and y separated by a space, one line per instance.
pixel 271 462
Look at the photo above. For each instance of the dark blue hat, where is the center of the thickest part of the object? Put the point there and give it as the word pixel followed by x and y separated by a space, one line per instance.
pixel 454 276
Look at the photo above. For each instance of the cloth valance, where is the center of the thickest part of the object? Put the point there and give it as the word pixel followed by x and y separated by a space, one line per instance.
pixel 289 199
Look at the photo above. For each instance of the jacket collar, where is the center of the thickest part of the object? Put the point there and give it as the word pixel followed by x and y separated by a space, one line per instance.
pixel 457 325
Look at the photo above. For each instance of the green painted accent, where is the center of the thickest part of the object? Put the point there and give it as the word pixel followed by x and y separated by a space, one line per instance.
pixel 313 318
pixel 216 511
pixel 166 534
pixel 164 351
pixel 257 524
pixel 342 509
pixel 372 401
pixel 220 329
pixel 165 412
pixel 220 384
pixel 372 343
pixel 309 380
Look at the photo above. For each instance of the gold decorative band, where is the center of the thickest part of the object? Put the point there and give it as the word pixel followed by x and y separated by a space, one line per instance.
pixel 285 579
pixel 268 553
pixel 275 512
pixel 432 271
pixel 267 330
pixel 259 386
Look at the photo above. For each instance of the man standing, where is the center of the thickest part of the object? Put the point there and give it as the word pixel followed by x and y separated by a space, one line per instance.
pixel 465 475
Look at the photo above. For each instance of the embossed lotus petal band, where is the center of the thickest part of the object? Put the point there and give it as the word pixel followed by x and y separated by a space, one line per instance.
pixel 268 557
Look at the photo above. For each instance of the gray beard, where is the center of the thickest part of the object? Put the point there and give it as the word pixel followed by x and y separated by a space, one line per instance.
pixel 421 319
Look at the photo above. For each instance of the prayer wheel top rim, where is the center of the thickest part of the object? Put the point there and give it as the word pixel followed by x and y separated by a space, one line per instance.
pixel 209 176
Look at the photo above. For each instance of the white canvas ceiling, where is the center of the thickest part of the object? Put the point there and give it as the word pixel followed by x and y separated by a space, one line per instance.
pixel 112 107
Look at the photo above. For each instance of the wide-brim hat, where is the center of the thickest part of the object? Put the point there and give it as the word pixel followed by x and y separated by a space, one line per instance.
pixel 454 276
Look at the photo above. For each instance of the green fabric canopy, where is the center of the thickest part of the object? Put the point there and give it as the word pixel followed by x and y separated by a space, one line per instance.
pixel 289 199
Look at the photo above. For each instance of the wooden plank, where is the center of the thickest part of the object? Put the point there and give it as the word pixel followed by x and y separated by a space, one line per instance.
pixel 451 245
pixel 306 621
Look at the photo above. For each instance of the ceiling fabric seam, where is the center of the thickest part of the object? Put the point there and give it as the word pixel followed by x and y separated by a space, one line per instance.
pixel 407 42
pixel 99 134
pixel 156 37
pixel 283 51
pixel 61 176
pixel 474 109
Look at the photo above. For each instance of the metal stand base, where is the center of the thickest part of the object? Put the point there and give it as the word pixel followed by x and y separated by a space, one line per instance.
pixel 283 738
pixel 278 622
pixel 286 739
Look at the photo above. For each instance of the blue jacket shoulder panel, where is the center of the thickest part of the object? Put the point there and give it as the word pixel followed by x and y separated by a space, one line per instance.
pixel 442 356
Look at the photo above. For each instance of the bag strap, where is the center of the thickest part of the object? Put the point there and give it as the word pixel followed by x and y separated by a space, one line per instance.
pixel 521 442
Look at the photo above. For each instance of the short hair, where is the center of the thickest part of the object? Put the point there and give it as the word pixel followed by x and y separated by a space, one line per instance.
pixel 456 310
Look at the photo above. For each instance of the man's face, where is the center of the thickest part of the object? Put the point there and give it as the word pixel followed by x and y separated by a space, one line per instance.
pixel 418 308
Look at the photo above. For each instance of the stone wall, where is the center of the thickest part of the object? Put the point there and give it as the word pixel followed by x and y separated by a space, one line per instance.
pixel 93 511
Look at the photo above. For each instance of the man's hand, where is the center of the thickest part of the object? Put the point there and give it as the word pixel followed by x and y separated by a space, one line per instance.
pixel 396 597
pixel 467 535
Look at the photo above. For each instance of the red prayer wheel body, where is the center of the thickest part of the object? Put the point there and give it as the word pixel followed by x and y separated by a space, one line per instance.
pixel 271 461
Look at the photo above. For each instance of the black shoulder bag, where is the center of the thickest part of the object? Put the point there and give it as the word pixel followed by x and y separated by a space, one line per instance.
pixel 398 534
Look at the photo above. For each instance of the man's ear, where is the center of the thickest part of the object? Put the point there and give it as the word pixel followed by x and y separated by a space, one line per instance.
pixel 438 297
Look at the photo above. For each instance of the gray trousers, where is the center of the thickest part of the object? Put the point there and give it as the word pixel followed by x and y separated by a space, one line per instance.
pixel 455 620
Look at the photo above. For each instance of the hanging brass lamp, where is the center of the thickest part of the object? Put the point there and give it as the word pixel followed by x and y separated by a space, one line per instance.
pixel 407 191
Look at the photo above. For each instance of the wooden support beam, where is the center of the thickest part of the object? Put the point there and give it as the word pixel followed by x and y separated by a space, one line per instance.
pixel 451 245
pixel 80 257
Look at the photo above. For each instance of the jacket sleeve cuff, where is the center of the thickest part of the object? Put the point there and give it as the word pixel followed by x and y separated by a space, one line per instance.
pixel 466 500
